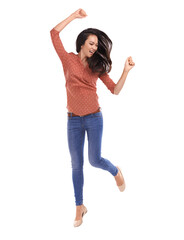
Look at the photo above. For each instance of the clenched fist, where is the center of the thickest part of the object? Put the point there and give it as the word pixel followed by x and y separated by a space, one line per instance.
pixel 129 64
pixel 80 13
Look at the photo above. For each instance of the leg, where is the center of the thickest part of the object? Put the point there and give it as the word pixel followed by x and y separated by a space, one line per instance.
pixel 94 133
pixel 76 137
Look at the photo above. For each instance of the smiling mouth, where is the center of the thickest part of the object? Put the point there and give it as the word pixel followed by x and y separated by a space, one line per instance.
pixel 91 52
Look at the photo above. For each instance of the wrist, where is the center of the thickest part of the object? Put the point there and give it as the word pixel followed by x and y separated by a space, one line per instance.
pixel 125 71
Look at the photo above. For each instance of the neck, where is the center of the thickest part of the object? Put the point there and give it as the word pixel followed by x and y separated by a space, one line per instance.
pixel 82 57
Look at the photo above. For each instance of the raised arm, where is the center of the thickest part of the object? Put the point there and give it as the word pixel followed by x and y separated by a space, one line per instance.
pixel 116 88
pixel 80 13
pixel 57 43
pixel 129 64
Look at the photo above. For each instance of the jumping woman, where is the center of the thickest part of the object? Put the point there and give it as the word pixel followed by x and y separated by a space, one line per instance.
pixel 84 114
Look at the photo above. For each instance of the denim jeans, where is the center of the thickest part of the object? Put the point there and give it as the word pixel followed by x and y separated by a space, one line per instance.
pixel 76 127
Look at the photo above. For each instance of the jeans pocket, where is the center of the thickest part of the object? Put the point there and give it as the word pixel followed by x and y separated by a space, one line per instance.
pixel 72 117
pixel 98 114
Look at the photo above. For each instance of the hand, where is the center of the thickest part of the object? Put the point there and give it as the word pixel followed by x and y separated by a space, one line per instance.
pixel 80 13
pixel 129 64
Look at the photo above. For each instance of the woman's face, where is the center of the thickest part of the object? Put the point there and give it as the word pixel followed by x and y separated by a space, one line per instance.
pixel 90 46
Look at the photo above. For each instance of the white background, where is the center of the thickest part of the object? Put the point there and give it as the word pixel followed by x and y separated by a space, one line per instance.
pixel 143 125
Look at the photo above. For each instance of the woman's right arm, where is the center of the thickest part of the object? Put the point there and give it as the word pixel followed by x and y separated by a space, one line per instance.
pixel 80 13
pixel 59 27
pixel 57 43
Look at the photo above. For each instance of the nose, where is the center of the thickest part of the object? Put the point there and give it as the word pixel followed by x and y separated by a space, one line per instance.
pixel 95 48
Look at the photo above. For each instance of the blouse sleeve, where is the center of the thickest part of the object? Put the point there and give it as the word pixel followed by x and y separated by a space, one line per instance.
pixel 58 45
pixel 108 82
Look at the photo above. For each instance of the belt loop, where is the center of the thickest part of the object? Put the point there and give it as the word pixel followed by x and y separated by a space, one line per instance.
pixel 71 114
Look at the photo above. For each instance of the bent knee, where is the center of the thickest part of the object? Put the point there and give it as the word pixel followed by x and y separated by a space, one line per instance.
pixel 95 162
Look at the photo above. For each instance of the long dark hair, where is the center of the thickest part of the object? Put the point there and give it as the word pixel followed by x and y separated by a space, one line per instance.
pixel 100 62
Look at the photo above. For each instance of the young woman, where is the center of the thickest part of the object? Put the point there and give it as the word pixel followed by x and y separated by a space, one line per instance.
pixel 84 113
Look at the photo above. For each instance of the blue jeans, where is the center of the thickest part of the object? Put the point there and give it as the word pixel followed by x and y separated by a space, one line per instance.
pixel 76 127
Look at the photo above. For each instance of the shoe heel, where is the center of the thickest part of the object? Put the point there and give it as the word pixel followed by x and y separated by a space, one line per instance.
pixel 79 222
pixel 122 187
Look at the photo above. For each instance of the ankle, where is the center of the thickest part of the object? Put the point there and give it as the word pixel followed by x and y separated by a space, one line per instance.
pixel 79 209
pixel 79 206
pixel 117 176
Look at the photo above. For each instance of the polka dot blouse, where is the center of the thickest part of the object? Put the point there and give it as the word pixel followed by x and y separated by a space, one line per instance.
pixel 82 98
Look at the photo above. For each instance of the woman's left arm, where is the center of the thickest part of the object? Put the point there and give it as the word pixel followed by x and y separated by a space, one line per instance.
pixel 129 64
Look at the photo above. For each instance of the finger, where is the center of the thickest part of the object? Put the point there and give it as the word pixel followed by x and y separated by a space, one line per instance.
pixel 84 13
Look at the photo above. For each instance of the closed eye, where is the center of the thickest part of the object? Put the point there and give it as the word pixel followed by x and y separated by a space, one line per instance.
pixel 93 44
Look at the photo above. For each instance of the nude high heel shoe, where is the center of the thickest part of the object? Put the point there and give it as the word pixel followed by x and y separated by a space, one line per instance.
pixel 121 187
pixel 79 222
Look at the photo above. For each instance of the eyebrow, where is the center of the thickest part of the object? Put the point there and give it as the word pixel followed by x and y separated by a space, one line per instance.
pixel 93 42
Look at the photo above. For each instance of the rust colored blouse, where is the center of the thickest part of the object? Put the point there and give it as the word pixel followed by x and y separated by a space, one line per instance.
pixel 82 98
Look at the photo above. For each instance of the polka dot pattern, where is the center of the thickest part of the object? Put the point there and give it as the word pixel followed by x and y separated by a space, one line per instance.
pixel 80 84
